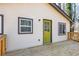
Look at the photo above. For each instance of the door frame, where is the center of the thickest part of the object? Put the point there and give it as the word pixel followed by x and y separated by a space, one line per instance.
pixel 2 22
pixel 51 30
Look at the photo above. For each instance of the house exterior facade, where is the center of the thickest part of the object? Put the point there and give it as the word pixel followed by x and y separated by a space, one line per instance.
pixel 29 25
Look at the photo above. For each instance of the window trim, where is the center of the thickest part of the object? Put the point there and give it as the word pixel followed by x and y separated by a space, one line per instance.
pixel 19 25
pixel 2 23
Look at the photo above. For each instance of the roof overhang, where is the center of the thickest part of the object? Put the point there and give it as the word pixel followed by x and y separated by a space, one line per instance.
pixel 61 11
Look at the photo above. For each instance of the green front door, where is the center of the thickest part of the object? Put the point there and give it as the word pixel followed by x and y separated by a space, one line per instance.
pixel 47 31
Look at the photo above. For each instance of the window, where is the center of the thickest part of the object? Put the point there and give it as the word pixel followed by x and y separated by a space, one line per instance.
pixel 1 24
pixel 25 25
pixel 62 28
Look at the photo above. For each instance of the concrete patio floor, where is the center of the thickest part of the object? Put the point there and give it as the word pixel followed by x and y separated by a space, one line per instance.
pixel 65 48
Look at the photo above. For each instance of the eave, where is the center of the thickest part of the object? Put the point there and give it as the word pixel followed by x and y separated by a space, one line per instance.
pixel 61 11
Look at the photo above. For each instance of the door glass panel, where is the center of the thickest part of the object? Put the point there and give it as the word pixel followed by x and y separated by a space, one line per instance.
pixel 46 26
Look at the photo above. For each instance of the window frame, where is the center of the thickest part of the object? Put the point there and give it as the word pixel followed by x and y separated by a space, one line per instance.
pixel 63 32
pixel 19 25
pixel 2 24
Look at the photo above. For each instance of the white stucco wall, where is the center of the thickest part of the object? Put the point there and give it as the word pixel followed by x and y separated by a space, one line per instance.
pixel 11 13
